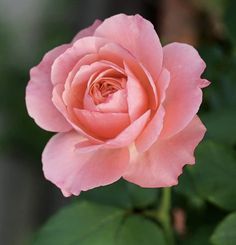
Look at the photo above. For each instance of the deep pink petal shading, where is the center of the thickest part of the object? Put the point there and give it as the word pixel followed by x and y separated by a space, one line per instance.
pixel 39 94
pixel 161 165
pixel 74 171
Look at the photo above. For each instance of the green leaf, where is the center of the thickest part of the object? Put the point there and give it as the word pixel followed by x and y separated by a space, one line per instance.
pixel 221 125
pixel 114 195
pixel 137 230
pixel 214 174
pixel 84 224
pixel 142 197
pixel 225 233
pixel 122 194
pixel 88 223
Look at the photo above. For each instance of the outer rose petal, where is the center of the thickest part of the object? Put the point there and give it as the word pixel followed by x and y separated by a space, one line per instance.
pixel 87 31
pixel 73 171
pixel 136 35
pixel 39 95
pixel 184 94
pixel 161 165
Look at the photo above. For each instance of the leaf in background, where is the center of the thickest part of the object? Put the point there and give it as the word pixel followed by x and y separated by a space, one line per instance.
pixel 81 223
pixel 221 125
pixel 186 188
pixel 214 174
pixel 115 194
pixel 225 233
pixel 137 230
pixel 142 197
pixel 88 223
pixel 122 194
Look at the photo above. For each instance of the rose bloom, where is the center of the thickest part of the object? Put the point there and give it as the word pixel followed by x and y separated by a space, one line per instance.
pixel 122 106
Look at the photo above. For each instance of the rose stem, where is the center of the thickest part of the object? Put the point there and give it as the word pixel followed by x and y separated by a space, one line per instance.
pixel 163 215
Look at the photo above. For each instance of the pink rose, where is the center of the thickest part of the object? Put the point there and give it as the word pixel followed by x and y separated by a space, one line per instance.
pixel 123 106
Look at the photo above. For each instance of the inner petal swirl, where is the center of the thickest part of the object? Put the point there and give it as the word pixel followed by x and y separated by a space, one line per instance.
pixel 105 85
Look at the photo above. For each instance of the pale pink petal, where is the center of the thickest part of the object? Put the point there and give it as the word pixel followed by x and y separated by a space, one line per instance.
pixel 152 131
pixel 73 171
pixel 184 94
pixel 87 31
pixel 137 97
pixel 117 102
pixel 137 35
pixel 39 95
pixel 102 125
pixel 128 135
pixel 204 83
pixel 162 164
pixel 64 64
pixel 85 60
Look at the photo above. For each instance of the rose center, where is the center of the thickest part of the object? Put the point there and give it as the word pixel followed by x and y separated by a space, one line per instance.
pixel 101 89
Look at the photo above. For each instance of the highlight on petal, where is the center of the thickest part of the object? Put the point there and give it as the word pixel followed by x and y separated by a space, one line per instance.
pixel 74 171
pixel 89 31
pixel 39 94
pixel 184 94
pixel 138 36
pixel 162 164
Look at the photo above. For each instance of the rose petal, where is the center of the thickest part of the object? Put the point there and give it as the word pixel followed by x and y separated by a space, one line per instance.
pixel 184 95
pixel 161 165
pixel 123 58
pixel 39 95
pixel 152 131
pixel 117 103
pixel 102 125
pixel 73 94
pixel 136 96
pixel 69 114
pixel 74 171
pixel 65 62
pixel 137 35
pixel 128 135
pixel 87 31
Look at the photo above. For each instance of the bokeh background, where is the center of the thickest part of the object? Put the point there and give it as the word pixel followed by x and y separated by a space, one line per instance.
pixel 206 193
